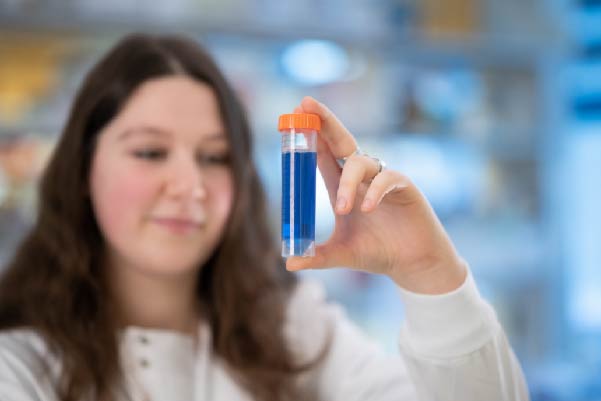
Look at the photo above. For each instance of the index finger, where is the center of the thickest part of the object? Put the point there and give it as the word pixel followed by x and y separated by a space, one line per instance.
pixel 340 141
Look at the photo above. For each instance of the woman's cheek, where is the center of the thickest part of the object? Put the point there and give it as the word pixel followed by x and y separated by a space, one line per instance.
pixel 226 200
pixel 122 199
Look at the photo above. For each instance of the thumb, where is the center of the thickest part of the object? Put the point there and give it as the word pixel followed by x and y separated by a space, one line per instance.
pixel 326 256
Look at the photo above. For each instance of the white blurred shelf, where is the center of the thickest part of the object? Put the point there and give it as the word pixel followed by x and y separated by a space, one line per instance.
pixel 370 33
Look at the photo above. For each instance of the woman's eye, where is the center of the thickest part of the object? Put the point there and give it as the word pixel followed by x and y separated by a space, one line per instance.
pixel 214 159
pixel 150 154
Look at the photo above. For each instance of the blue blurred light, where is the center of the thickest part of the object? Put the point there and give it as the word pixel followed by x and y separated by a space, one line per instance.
pixel 447 96
pixel 315 62
pixel 582 220
pixel 584 23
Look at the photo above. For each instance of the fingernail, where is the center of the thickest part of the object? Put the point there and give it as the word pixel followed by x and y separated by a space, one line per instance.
pixel 367 203
pixel 340 203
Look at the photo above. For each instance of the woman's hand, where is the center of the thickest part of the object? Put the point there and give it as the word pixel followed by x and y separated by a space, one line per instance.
pixel 383 222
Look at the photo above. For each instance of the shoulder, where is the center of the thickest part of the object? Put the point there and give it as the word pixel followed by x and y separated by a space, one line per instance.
pixel 21 349
pixel 25 362
pixel 22 338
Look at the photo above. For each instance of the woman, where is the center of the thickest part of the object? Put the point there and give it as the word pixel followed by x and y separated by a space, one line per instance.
pixel 151 274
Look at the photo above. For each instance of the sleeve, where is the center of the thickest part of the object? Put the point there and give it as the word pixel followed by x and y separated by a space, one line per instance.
pixel 23 376
pixel 455 348
pixel 353 367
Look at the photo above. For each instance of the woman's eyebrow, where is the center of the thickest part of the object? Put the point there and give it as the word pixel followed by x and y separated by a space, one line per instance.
pixel 155 131
pixel 142 130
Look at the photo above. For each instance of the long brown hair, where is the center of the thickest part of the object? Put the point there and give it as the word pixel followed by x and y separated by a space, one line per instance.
pixel 54 283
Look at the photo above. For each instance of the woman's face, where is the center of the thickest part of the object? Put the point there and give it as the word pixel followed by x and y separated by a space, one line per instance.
pixel 161 183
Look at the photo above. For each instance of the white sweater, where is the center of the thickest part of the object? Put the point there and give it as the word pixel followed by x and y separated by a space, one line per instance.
pixel 452 348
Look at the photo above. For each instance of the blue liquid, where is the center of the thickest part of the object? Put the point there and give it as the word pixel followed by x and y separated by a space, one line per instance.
pixel 298 219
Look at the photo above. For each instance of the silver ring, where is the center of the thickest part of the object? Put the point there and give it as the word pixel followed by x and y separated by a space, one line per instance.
pixel 381 164
pixel 359 152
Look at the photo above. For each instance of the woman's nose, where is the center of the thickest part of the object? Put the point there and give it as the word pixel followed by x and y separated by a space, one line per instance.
pixel 185 180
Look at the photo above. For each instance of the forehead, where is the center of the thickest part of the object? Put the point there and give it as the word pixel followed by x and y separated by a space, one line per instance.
pixel 175 103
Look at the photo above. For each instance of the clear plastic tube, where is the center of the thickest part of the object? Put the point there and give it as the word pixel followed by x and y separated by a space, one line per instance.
pixel 299 162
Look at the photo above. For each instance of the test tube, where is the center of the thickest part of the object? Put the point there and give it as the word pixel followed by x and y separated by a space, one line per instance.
pixel 299 162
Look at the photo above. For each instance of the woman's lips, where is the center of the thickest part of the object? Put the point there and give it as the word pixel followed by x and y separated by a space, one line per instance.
pixel 178 225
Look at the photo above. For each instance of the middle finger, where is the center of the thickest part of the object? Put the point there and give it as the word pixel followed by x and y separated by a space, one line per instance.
pixel 357 169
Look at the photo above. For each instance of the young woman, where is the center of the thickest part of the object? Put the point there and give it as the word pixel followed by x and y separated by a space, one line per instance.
pixel 151 274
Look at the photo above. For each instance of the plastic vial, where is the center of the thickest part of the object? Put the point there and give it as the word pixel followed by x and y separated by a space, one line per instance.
pixel 299 162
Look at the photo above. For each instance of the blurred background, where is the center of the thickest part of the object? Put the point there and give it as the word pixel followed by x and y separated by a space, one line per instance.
pixel 493 107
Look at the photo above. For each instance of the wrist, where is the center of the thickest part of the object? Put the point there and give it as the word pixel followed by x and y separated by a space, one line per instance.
pixel 438 277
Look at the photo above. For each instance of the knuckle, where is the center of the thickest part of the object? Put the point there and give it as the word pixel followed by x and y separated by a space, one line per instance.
pixel 397 176
pixel 354 160
pixel 379 183
pixel 404 179
pixel 346 182
pixel 390 175
pixel 351 170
